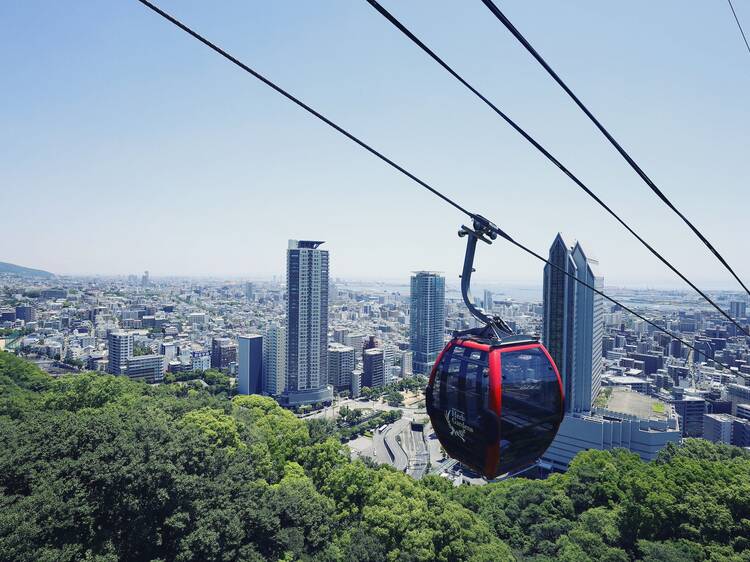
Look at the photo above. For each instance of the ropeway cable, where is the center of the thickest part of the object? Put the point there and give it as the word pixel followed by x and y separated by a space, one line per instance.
pixel 401 169
pixel 742 31
pixel 401 27
pixel 638 170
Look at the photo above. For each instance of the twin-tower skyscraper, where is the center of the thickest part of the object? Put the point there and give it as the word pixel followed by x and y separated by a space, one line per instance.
pixel 573 324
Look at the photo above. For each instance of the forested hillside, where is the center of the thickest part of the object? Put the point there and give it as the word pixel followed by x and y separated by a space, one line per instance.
pixel 13 269
pixel 95 467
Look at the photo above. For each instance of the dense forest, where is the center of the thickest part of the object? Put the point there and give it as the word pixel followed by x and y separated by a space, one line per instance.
pixel 101 468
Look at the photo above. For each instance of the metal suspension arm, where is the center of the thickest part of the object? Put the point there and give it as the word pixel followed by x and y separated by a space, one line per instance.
pixel 485 231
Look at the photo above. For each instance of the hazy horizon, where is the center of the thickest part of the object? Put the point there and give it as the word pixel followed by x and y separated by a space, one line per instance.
pixel 453 282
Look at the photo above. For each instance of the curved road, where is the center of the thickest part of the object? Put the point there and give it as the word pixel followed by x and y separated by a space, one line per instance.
pixel 387 449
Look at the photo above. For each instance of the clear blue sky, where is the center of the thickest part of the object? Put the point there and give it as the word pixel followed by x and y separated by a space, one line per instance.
pixel 126 145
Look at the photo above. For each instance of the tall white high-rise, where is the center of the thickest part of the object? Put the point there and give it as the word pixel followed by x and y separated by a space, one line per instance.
pixel 307 323
pixel 274 360
pixel 573 324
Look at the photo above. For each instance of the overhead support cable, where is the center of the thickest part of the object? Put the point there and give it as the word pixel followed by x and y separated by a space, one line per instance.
pixel 297 101
pixel 401 27
pixel 631 162
pixel 408 174
pixel 742 32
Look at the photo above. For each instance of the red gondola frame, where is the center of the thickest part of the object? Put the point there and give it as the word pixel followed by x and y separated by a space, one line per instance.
pixel 494 360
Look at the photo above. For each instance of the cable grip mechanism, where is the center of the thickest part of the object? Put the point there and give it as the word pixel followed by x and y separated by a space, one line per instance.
pixel 485 231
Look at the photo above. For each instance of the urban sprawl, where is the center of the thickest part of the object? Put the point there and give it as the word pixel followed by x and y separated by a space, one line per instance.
pixel 359 354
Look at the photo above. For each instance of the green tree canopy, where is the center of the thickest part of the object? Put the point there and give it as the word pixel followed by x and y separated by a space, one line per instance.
pixel 97 467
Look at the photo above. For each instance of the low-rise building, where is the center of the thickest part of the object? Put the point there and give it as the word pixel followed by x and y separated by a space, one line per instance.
pixel 341 363
pixel 741 432
pixel 691 410
pixel 631 420
pixel 718 428
pixel 223 353
pixel 738 394
pixel 373 373
pixel 147 368
pixel 200 360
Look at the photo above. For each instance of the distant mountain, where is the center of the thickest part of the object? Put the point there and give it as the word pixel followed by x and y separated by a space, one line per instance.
pixel 23 271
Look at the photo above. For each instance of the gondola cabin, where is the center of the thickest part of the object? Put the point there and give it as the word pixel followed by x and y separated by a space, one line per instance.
pixel 495 403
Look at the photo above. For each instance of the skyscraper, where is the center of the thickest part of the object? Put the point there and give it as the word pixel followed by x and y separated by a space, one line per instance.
pixel 590 327
pixel 274 360
pixel 573 324
pixel 427 319
pixel 307 323
pixel 250 364
pixel 120 345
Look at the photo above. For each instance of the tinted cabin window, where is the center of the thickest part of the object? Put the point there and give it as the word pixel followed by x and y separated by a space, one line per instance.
pixel 531 407
pixel 459 398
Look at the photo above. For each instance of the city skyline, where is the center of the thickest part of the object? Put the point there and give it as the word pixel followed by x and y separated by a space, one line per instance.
pixel 347 343
pixel 246 153
pixel 375 280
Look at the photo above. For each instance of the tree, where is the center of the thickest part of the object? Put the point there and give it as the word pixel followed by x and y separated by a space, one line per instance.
pixel 140 349
pixel 344 412
pixel 321 429
pixel 218 428
pixel 394 398
pixel 96 467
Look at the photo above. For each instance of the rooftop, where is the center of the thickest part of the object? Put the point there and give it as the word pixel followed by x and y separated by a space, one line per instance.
pixel 636 404
pixel 301 244
pixel 336 346
pixel 249 336
pixel 627 379
pixel 726 418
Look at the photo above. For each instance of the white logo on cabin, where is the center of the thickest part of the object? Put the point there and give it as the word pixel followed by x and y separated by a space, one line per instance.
pixel 457 423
